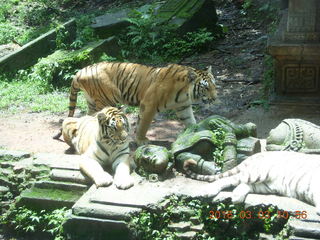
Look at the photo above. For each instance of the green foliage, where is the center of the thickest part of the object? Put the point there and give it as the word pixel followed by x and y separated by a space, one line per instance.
pixel 84 32
pixel 106 58
pixel 222 220
pixel 8 32
pixel 27 93
pixel 26 221
pixel 148 39
pixel 218 140
pixel 62 36
pixel 264 13
pixel 58 69
pixel 268 77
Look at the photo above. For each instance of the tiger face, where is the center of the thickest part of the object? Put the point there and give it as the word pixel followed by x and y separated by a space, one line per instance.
pixel 205 87
pixel 114 125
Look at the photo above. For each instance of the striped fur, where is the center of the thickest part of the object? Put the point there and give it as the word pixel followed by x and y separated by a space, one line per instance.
pixel 290 174
pixel 152 89
pixel 102 141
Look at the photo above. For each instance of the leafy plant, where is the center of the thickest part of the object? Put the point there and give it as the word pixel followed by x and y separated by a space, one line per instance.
pixel 148 39
pixel 222 220
pixel 8 32
pixel 218 140
pixel 26 221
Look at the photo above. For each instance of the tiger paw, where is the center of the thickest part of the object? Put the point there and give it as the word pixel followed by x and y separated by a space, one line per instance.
pixel 123 182
pixel 142 141
pixel 103 180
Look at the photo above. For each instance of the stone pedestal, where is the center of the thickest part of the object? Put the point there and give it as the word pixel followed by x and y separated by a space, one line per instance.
pixel 296 49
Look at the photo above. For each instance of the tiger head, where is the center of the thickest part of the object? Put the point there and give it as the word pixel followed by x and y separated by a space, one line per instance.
pixel 113 124
pixel 204 89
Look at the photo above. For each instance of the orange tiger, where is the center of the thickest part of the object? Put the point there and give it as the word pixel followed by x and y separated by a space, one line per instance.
pixel 153 89
pixel 102 141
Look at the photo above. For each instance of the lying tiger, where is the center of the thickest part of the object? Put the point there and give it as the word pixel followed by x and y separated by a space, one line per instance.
pixel 285 173
pixel 154 89
pixel 102 141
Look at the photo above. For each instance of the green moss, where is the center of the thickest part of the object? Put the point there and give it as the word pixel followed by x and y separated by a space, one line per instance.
pixel 54 194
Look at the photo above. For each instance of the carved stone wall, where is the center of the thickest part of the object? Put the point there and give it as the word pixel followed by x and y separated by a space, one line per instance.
pixel 295 47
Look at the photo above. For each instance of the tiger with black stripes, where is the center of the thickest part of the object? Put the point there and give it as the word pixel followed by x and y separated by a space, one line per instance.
pixel 153 89
pixel 102 141
pixel 290 174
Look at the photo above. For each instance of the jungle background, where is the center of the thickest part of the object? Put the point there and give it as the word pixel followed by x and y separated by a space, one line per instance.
pixel 32 101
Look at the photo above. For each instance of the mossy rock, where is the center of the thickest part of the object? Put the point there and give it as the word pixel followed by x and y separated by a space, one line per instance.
pixel 152 158
pixel 200 143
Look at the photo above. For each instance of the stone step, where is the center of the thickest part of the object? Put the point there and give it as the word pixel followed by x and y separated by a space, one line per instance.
pixel 186 235
pixel 306 229
pixel 197 228
pixel 66 186
pixel 84 207
pixel 48 198
pixel 13 155
pixel 301 238
pixel 74 176
pixel 179 227
pixel 77 227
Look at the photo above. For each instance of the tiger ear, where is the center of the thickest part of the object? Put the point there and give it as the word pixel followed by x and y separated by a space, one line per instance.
pixel 192 76
pixel 121 107
pixel 209 69
pixel 101 116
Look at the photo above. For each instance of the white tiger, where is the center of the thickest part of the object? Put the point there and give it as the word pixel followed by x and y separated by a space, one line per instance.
pixel 290 174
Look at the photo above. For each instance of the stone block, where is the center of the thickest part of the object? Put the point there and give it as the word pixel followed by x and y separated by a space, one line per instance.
pixel 305 228
pixel 186 235
pixel 95 228
pixel 66 186
pixel 110 24
pixel 29 54
pixel 248 146
pixel 14 155
pixel 58 161
pixel 185 14
pixel 49 198
pixel 179 227
pixel 189 15
pixel 295 47
pixel 84 207
pixel 65 175
pixel 197 228
pixel 137 196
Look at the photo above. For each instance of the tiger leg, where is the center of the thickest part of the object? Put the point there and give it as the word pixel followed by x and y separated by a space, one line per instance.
pixel 185 114
pixel 91 104
pixel 146 115
pixel 69 130
pixel 240 193
pixel 217 186
pixel 95 172
pixel 122 178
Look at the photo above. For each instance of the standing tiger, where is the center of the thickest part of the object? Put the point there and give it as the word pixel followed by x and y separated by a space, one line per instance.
pixel 285 173
pixel 102 141
pixel 153 89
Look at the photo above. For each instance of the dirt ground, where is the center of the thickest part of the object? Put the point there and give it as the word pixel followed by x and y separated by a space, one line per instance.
pixel 237 62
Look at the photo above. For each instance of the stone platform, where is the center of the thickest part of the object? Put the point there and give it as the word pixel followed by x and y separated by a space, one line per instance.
pixel 107 210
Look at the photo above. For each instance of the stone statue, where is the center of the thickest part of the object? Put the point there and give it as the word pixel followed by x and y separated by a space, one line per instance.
pixel 198 142
pixel 295 135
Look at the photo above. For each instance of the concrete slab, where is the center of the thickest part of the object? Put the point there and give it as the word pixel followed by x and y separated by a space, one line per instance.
pixel 29 54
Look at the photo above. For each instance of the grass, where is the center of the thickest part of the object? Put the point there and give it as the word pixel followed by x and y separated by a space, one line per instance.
pixel 17 96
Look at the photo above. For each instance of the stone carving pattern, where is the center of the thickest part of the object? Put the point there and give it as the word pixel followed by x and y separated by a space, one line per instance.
pixel 301 22
pixel 299 79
